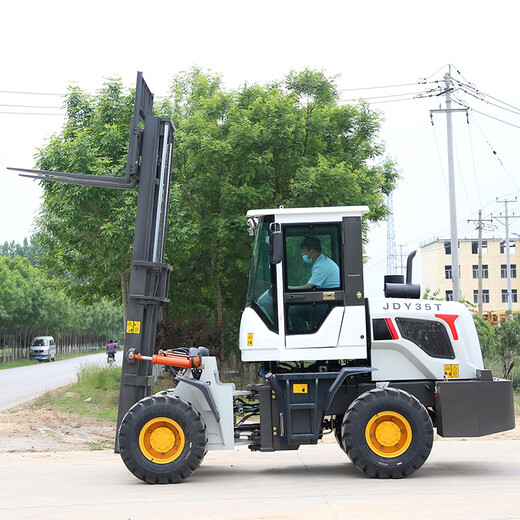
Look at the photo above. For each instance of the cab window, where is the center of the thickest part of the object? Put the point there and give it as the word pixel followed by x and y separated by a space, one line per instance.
pixel 312 263
pixel 262 279
pixel 313 257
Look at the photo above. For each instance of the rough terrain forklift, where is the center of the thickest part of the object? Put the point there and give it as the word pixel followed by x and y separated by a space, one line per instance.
pixel 378 373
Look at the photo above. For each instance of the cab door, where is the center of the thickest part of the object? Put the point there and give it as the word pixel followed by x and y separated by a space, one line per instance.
pixel 332 312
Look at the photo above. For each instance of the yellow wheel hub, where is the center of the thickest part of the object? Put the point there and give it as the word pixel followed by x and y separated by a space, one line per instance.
pixel 388 434
pixel 161 440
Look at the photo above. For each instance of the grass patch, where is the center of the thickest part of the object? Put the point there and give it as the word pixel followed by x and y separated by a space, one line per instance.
pixel 25 362
pixel 18 363
pixel 516 400
pixel 95 394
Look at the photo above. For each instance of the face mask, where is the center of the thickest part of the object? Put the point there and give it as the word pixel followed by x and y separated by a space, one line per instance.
pixel 306 259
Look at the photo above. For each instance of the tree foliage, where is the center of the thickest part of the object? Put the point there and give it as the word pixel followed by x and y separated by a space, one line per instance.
pixel 507 343
pixel 87 232
pixel 31 300
pixel 29 249
pixel 289 142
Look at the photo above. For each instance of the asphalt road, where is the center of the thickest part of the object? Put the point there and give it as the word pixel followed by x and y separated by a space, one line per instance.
pixel 461 479
pixel 23 383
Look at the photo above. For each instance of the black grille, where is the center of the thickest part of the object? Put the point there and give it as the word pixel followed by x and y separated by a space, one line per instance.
pixel 429 336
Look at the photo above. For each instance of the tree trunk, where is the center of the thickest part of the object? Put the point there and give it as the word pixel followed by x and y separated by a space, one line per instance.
pixel 508 365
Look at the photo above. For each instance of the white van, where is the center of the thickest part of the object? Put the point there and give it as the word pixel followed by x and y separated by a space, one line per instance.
pixel 43 348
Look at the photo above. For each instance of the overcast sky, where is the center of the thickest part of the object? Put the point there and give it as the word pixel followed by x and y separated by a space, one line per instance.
pixel 48 45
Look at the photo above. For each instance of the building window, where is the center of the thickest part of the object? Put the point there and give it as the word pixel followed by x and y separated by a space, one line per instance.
pixel 485 296
pixel 447 248
pixel 448 273
pixel 503 271
pixel 449 296
pixel 484 271
pixel 512 246
pixel 474 247
pixel 514 296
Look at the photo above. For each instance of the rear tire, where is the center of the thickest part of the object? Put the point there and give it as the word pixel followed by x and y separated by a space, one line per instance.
pixel 387 433
pixel 162 439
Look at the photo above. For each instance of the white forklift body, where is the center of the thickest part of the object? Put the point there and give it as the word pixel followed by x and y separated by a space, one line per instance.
pixel 378 373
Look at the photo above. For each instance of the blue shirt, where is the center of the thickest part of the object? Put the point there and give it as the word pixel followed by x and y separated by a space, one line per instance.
pixel 325 273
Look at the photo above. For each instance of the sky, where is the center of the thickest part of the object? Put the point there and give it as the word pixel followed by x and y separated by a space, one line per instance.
pixel 49 45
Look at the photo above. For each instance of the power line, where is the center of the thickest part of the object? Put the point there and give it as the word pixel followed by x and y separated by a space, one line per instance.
pixel 516 112
pixel 28 106
pixel 378 87
pixel 30 93
pixel 495 118
pixel 495 154
pixel 479 93
pixel 382 97
pixel 439 156
pixel 474 166
pixel 460 174
pixel 31 114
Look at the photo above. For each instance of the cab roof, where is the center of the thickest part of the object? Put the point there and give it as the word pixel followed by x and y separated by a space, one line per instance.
pixel 309 215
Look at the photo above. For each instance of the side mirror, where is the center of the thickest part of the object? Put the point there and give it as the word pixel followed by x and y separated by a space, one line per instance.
pixel 275 243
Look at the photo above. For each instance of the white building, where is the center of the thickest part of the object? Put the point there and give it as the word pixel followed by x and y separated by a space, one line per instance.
pixel 437 271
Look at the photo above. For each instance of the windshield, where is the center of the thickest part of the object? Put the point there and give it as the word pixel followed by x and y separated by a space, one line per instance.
pixel 262 278
pixel 40 342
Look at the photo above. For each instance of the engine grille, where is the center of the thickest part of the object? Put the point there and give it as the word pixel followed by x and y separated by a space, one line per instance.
pixel 429 336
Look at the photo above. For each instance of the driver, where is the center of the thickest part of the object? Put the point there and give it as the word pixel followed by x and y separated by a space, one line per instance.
pixel 325 272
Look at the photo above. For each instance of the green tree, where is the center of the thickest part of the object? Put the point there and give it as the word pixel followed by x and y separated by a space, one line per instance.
pixel 287 143
pixel 486 337
pixel 29 249
pixel 507 344
pixel 32 301
pixel 87 232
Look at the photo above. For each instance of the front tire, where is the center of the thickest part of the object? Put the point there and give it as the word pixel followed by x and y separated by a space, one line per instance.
pixel 387 433
pixel 162 439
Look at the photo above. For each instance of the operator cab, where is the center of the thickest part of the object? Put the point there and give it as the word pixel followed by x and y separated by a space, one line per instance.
pixel 305 298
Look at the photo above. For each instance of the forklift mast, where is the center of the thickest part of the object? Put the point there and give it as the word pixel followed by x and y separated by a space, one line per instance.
pixel 150 156
pixel 148 170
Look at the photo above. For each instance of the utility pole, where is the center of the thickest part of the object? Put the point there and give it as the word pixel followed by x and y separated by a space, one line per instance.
pixel 480 225
pixel 451 175
pixel 508 254
pixel 453 202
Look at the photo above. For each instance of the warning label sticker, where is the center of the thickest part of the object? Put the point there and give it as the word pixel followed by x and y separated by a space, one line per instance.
pixel 451 370
pixel 133 327
pixel 300 388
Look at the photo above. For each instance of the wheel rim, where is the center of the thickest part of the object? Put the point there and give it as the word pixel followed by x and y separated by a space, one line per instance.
pixel 161 440
pixel 388 434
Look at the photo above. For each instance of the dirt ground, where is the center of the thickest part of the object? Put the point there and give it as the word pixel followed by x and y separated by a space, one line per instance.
pixel 33 428
pixel 30 428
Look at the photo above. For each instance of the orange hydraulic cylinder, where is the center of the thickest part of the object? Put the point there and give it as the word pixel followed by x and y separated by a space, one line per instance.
pixel 172 360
